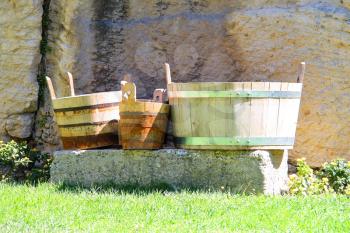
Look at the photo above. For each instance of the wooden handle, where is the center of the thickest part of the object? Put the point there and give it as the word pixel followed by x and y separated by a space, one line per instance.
pixel 167 73
pixel 128 78
pixel 159 95
pixel 71 83
pixel 301 72
pixel 50 86
pixel 128 91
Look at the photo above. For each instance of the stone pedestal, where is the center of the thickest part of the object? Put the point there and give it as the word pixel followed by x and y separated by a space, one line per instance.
pixel 235 171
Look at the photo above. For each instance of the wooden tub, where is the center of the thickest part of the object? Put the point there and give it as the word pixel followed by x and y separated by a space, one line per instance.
pixel 143 123
pixel 87 121
pixel 235 115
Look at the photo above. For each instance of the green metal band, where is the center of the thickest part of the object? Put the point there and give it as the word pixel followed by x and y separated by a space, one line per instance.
pixel 143 114
pixel 236 94
pixel 235 141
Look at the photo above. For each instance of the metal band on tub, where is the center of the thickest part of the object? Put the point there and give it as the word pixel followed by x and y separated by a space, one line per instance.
pixel 235 141
pixel 236 94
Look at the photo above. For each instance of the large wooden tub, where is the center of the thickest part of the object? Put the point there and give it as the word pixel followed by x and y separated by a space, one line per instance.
pixel 87 121
pixel 143 123
pixel 234 115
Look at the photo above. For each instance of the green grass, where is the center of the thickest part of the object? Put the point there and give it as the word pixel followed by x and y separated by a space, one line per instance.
pixel 52 208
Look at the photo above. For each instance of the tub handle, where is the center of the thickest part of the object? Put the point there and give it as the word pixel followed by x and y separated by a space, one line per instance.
pixel 71 84
pixel 301 72
pixel 128 91
pixel 167 73
pixel 50 86
pixel 159 95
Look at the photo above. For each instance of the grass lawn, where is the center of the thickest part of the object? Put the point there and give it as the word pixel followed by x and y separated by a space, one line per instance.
pixel 52 208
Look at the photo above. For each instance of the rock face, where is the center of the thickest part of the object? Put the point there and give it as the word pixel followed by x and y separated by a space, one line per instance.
pixel 46 129
pixel 20 37
pixel 237 171
pixel 19 126
pixel 261 40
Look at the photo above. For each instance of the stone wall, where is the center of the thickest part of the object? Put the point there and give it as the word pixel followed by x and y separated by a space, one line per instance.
pixel 100 41
pixel 20 36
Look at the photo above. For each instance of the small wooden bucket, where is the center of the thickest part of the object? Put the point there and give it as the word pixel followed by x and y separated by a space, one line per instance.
pixel 143 123
pixel 86 121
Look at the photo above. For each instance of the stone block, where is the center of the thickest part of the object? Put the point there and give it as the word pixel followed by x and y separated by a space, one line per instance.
pixel 235 171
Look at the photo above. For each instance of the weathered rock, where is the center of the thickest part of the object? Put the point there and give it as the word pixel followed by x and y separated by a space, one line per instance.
pixel 242 171
pixel 46 130
pixel 20 37
pixel 264 40
pixel 20 126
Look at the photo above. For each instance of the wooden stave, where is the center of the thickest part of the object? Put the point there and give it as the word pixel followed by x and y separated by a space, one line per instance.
pixel 173 100
pixel 133 135
pixel 141 133
pixel 146 121
pixel 144 108
pixel 87 100
pixel 89 129
pixel 87 116
pixel 149 126
pixel 95 138
pixel 215 147
pixel 89 142
pixel 100 138
pixel 213 85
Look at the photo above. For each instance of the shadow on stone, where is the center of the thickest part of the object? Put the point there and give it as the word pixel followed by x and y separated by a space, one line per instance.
pixel 111 187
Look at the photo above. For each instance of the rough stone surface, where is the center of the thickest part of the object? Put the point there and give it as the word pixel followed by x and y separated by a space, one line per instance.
pixel 20 37
pixel 20 126
pixel 240 171
pixel 46 129
pixel 223 40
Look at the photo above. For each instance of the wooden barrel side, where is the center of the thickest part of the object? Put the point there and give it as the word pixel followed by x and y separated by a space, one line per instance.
pixel 142 124
pixel 239 115
pixel 88 121
pixel 89 142
pixel 87 100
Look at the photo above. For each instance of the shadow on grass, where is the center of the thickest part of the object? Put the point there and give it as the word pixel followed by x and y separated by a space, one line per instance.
pixel 136 189
pixel 114 188
pixel 142 190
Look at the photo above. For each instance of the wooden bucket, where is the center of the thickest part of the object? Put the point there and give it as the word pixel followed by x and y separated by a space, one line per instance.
pixel 86 121
pixel 143 123
pixel 235 115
